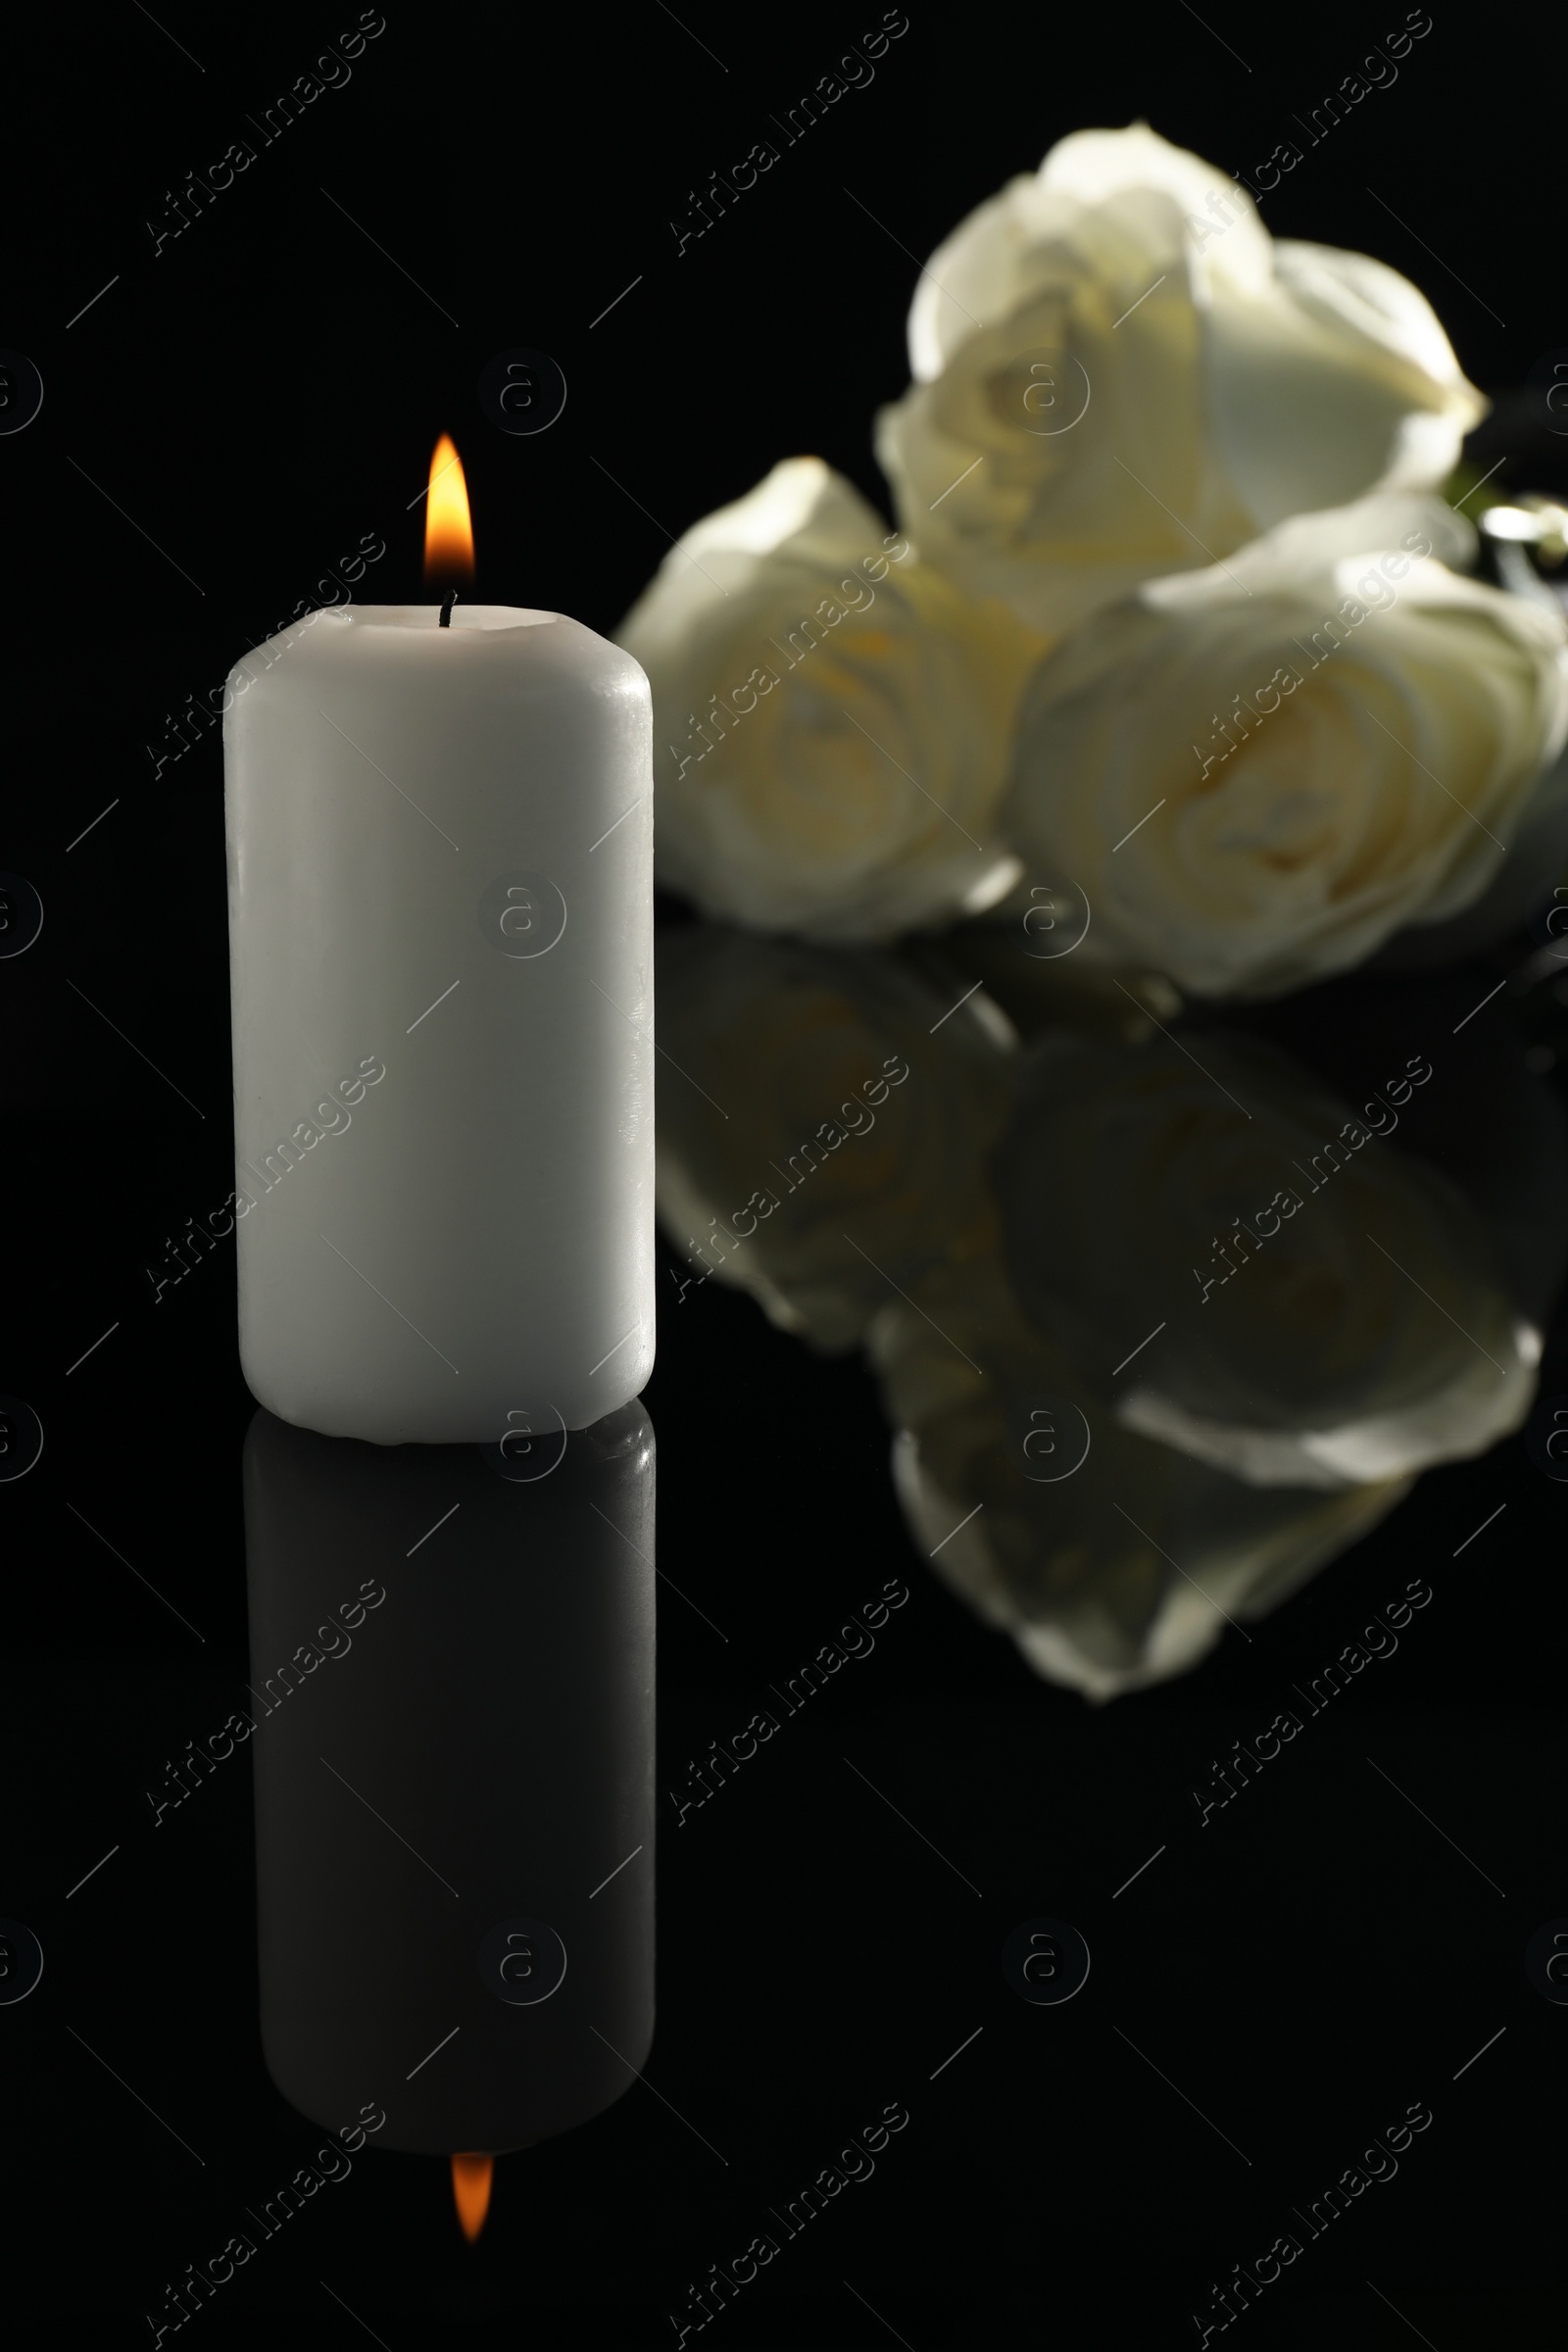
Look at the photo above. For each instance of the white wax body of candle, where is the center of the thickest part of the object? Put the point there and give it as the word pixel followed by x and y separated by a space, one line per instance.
pixel 440 875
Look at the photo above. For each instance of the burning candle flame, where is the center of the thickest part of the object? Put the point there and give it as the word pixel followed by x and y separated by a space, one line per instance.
pixel 470 2191
pixel 447 529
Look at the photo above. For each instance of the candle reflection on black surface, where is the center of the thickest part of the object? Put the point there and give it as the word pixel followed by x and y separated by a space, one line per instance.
pixel 447 1776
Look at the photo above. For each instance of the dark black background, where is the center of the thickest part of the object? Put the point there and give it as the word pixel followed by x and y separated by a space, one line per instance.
pixel 256 397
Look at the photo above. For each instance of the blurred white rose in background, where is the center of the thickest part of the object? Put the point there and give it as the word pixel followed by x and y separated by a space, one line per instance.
pixel 822 1131
pixel 1257 773
pixel 833 720
pixel 1119 374
pixel 1522 886
pixel 1320 1307
pixel 1117 1575
pixel 1173 645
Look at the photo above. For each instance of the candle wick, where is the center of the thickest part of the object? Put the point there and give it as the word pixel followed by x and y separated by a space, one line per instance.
pixel 447 603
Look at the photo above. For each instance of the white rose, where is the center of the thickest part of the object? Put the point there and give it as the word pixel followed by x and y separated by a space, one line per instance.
pixel 822 1129
pixel 1522 886
pixel 1252 1272
pixel 1118 373
pixel 832 720
pixel 1257 773
pixel 1119 1574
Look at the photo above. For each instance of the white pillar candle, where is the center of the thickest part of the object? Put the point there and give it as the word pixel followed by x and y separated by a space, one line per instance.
pixel 440 875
